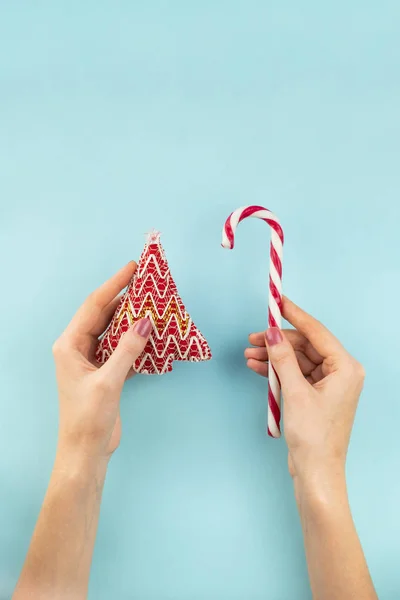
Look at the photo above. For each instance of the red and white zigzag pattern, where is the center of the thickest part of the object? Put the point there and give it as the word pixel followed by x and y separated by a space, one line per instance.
pixel 153 293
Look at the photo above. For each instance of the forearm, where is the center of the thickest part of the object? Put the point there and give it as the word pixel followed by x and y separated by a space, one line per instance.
pixel 60 554
pixel 336 563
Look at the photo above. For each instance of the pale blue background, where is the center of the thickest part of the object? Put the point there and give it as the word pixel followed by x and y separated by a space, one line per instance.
pixel 116 117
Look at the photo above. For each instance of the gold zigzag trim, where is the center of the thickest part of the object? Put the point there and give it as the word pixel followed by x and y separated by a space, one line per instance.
pixel 159 322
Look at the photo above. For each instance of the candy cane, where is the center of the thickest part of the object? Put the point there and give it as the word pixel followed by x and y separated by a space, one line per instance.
pixel 275 295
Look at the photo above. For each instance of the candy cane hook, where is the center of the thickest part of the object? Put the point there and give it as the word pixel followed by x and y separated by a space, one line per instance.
pixel 275 295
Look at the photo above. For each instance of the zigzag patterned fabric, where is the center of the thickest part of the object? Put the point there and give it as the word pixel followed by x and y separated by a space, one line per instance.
pixel 153 293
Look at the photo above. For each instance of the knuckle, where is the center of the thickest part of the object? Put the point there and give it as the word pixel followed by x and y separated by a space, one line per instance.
pixel 317 324
pixel 281 358
pixel 359 370
pixel 55 348
pixel 352 369
pixel 102 384
pixel 60 347
pixel 91 299
pixel 131 345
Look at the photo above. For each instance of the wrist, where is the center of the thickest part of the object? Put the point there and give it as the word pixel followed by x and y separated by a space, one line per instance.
pixel 78 463
pixel 321 491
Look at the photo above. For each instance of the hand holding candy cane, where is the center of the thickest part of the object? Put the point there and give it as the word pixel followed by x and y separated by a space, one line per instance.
pixel 275 294
pixel 321 384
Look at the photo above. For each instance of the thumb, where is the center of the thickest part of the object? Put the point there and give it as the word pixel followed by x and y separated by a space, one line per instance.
pixel 284 361
pixel 130 347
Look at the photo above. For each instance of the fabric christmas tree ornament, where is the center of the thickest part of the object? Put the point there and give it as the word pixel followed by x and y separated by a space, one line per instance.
pixel 153 293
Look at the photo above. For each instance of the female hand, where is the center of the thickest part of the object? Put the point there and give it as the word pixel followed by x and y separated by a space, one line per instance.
pixel 321 385
pixel 89 394
pixel 60 554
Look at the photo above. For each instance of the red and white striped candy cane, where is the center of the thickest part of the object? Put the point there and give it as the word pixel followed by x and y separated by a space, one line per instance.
pixel 275 295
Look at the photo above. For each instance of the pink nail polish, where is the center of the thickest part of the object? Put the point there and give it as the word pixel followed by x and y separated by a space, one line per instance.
pixel 143 327
pixel 273 336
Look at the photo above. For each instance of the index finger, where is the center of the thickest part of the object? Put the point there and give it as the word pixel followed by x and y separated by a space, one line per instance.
pixel 88 315
pixel 320 337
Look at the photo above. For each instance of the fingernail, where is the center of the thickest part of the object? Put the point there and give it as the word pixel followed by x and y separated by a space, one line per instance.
pixel 273 336
pixel 143 327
